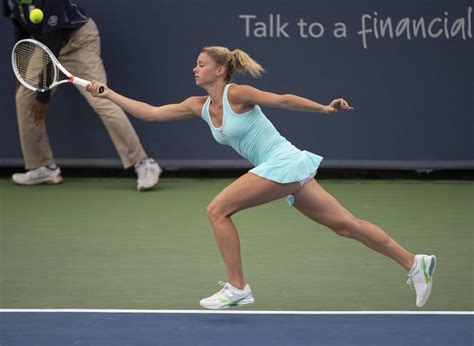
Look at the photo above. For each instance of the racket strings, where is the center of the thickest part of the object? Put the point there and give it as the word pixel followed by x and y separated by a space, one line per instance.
pixel 35 66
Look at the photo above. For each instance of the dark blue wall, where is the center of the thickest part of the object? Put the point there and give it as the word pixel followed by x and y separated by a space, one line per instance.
pixel 413 98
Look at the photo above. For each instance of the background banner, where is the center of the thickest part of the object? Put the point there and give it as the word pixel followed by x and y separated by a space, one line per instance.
pixel 406 67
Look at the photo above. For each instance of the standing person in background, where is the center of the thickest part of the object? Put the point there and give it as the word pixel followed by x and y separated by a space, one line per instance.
pixel 281 170
pixel 73 37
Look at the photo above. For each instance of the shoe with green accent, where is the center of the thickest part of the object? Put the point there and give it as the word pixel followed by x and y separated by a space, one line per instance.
pixel 227 297
pixel 421 277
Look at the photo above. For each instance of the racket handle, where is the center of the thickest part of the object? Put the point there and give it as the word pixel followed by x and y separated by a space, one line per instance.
pixel 79 81
pixel 84 83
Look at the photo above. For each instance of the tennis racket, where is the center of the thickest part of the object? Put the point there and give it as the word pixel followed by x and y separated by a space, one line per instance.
pixel 36 67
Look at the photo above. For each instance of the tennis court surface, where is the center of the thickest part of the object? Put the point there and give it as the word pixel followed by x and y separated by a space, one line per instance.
pixel 70 254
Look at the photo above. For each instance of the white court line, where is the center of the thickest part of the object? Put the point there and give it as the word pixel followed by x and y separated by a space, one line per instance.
pixel 243 312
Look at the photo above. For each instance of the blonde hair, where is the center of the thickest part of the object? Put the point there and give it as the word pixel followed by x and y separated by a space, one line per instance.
pixel 236 61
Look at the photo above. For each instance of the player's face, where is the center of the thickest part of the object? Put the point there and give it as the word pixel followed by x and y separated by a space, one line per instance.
pixel 205 71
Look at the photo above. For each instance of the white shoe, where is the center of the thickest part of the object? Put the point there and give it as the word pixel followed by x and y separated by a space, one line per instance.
pixel 227 297
pixel 421 277
pixel 148 173
pixel 42 175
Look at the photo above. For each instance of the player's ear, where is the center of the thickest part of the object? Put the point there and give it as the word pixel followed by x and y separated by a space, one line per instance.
pixel 220 71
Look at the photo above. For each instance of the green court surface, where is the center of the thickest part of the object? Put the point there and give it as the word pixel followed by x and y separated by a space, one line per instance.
pixel 98 244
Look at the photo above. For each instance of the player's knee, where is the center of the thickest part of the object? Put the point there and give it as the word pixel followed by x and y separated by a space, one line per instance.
pixel 347 227
pixel 214 212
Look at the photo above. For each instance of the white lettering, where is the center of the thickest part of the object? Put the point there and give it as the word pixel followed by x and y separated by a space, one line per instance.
pixel 273 28
pixel 281 28
pixel 302 25
pixel 371 26
pixel 386 25
pixel 364 31
pixel 459 25
pixel 340 30
pixel 419 25
pixel 260 30
pixel 446 31
pixel 320 28
pixel 247 18
pixel 403 26
pixel 430 28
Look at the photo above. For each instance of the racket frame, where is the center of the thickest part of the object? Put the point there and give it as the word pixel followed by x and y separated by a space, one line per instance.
pixel 71 78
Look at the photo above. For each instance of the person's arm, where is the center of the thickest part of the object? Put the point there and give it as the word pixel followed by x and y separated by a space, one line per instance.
pixel 171 112
pixel 19 32
pixel 250 96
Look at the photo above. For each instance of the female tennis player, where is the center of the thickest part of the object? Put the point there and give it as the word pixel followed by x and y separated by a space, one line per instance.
pixel 281 170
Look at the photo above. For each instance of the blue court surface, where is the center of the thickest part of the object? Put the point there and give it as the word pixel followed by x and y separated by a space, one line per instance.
pixel 177 327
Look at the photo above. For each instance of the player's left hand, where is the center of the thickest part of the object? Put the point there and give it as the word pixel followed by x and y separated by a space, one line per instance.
pixel 38 112
pixel 337 105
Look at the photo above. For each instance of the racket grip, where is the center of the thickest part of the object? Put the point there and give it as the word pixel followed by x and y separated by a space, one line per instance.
pixel 101 89
pixel 79 81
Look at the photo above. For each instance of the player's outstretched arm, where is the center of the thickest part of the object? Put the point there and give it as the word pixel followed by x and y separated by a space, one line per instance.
pixel 144 111
pixel 250 96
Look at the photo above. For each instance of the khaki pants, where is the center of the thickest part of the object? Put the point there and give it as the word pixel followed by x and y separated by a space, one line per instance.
pixel 81 57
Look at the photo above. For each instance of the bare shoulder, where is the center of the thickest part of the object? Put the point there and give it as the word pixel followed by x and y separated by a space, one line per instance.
pixel 235 89
pixel 240 93
pixel 195 100
pixel 246 96
pixel 195 103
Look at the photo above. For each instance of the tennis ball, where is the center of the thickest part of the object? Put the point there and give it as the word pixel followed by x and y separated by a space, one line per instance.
pixel 36 16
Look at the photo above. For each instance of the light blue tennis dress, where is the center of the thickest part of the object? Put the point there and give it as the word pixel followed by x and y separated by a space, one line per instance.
pixel 255 138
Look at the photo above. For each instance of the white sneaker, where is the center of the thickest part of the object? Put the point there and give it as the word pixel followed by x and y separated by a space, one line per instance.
pixel 227 297
pixel 42 175
pixel 148 173
pixel 421 277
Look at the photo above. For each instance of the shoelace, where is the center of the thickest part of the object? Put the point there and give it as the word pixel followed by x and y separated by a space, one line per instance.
pixel 225 287
pixel 146 164
pixel 38 173
pixel 143 166
pixel 410 280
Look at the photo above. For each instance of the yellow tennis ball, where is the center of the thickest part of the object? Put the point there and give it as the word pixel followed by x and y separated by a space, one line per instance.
pixel 36 16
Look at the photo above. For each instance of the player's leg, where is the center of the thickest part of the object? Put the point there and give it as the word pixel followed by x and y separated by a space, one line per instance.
pixel 313 201
pixel 248 191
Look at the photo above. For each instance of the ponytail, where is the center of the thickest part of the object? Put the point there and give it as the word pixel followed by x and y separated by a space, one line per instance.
pixel 244 64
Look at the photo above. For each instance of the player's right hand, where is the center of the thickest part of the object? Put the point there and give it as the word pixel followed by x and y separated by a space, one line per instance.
pixel 95 87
